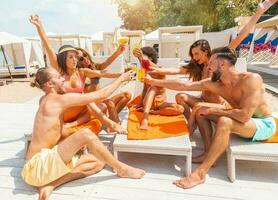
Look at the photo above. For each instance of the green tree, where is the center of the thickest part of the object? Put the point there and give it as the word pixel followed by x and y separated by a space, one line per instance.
pixel 214 15
pixel 142 15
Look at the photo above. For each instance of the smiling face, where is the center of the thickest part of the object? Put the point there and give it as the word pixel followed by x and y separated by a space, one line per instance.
pixel 57 82
pixel 216 66
pixel 199 56
pixel 83 59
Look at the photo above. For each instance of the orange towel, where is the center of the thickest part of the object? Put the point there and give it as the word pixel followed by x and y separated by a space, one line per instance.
pixel 274 138
pixel 94 125
pixel 159 126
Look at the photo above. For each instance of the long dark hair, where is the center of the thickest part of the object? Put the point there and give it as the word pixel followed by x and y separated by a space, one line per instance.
pixel 62 57
pixel 151 53
pixel 194 69
pixel 92 64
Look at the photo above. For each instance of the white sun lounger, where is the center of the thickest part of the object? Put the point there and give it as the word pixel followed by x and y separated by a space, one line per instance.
pixel 256 151
pixel 179 145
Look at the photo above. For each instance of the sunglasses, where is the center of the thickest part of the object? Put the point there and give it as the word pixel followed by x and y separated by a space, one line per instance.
pixel 82 58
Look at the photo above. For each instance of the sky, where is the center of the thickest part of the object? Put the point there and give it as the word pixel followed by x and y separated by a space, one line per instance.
pixel 59 16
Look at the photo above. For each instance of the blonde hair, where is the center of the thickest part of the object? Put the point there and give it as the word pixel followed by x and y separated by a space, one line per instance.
pixel 42 76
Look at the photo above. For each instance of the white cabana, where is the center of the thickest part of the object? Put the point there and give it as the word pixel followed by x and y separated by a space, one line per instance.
pixel 178 39
pixel 272 22
pixel 151 38
pixel 76 40
pixel 97 44
pixel 16 50
pixel 135 37
pixel 36 57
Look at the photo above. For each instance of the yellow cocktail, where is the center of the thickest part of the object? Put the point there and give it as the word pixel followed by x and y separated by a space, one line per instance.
pixel 123 40
pixel 141 74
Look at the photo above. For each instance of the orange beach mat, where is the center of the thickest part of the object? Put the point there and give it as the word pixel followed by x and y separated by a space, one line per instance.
pixel 159 126
pixel 94 125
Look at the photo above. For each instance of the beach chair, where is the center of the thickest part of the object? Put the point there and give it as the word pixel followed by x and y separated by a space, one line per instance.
pixel 244 46
pixel 252 151
pixel 241 64
pixel 178 146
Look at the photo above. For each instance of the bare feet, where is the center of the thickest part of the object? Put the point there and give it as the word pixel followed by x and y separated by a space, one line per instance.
pixel 192 180
pixel 115 127
pixel 144 124
pixel 45 192
pixel 130 172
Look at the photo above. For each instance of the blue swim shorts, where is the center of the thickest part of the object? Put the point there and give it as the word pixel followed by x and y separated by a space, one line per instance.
pixel 265 128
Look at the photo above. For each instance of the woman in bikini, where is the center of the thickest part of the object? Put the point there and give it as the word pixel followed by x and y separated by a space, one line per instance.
pixel 197 69
pixel 114 104
pixel 65 62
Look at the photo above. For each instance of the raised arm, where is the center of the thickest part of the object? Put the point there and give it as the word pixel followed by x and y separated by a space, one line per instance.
pixel 178 85
pixel 35 19
pixel 98 73
pixel 108 61
pixel 75 99
pixel 262 7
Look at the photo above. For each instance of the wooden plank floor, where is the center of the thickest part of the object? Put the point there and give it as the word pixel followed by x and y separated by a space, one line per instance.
pixel 255 180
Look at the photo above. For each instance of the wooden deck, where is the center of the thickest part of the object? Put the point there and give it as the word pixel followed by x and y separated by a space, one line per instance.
pixel 255 180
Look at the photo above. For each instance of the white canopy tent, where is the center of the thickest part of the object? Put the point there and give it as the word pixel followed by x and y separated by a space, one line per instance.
pixel 16 50
pixel 178 39
pixel 36 57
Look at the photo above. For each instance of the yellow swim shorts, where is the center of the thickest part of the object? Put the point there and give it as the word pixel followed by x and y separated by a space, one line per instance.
pixel 45 167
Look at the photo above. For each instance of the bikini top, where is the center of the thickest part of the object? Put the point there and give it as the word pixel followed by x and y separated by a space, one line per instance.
pixel 78 89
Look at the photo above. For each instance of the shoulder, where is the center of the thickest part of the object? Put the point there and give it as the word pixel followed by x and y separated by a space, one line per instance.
pixel 250 78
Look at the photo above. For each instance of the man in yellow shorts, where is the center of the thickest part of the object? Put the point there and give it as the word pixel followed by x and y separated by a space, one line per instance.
pixel 50 157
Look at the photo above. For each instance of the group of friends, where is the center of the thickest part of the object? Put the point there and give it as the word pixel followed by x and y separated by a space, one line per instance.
pixel 233 101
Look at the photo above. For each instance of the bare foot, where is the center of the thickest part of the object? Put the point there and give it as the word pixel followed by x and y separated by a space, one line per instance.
pixel 45 192
pixel 144 125
pixel 130 172
pixel 114 127
pixel 192 180
pixel 154 112
pixel 140 109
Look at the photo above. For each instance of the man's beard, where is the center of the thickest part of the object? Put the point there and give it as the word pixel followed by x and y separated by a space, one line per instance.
pixel 216 75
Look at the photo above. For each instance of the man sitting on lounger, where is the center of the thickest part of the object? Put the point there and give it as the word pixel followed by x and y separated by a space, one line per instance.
pixel 249 117
pixel 50 157
pixel 153 99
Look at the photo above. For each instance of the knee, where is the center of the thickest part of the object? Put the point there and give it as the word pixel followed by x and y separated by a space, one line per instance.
pixel 179 108
pixel 178 98
pixel 224 123
pixel 127 95
pixel 110 104
pixel 181 98
pixel 99 165
pixel 88 135
pixel 199 111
